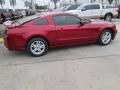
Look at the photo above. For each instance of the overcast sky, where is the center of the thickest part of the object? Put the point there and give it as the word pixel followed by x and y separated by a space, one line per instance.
pixel 42 2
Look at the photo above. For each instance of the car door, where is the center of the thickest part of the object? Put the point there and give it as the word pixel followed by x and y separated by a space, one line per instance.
pixel 70 31
pixel 95 11
pixel 84 11
pixel 91 11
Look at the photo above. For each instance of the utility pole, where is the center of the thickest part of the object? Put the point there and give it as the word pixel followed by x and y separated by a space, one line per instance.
pixel 118 2
pixel 91 1
pixel 13 3
pixel 32 4
pixel 75 1
pixel 70 1
pixel 102 2
pixel 1 3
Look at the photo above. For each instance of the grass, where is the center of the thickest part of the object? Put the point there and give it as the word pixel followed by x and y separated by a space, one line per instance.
pixel 2 28
pixel 1 40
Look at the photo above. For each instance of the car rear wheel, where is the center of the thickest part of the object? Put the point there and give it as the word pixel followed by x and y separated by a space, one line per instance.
pixel 108 17
pixel 37 47
pixel 105 38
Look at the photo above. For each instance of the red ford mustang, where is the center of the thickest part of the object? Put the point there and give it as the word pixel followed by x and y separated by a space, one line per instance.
pixel 37 33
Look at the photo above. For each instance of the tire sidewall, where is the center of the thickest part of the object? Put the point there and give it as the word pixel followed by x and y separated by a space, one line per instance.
pixel 100 42
pixel 29 47
pixel 108 15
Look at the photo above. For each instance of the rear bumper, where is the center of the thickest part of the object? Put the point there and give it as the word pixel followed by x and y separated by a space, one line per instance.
pixel 14 44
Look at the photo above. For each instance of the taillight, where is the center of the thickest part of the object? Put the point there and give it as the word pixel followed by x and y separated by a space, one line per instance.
pixel 117 10
pixel 5 33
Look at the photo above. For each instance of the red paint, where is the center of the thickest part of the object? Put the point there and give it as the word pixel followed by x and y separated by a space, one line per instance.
pixel 57 36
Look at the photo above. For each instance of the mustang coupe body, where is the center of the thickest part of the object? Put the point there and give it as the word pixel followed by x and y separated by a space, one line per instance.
pixel 35 34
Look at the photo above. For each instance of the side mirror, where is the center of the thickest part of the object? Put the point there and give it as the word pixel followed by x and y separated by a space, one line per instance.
pixel 82 22
pixel 84 9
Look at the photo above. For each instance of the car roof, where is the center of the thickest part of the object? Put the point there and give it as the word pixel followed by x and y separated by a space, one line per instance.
pixel 90 3
pixel 53 13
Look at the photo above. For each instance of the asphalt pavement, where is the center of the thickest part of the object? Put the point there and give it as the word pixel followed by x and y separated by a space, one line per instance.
pixel 86 67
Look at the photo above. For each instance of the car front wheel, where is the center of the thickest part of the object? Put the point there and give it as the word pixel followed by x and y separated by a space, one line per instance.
pixel 108 18
pixel 105 38
pixel 37 47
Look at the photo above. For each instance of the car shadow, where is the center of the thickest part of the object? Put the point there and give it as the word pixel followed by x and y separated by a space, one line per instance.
pixel 53 55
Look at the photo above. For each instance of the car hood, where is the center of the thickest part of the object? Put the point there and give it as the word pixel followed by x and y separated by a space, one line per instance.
pixel 72 11
pixel 95 21
pixel 75 12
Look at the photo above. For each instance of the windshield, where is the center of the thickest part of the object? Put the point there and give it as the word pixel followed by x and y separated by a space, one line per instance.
pixel 65 8
pixel 61 8
pixel 26 19
pixel 73 7
pixel 80 6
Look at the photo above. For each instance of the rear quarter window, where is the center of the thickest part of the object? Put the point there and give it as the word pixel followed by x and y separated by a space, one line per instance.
pixel 41 22
pixel 92 7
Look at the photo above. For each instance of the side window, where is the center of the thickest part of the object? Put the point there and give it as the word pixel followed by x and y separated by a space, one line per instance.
pixel 73 7
pixel 66 20
pixel 41 22
pixel 92 7
pixel 88 7
pixel 96 6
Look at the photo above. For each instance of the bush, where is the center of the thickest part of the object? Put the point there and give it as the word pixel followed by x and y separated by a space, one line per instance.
pixel 2 29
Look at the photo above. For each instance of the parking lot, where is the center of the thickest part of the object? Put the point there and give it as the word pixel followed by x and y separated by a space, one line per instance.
pixel 87 67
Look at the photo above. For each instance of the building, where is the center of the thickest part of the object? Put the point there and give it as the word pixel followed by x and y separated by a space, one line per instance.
pixel 19 4
pixel 105 2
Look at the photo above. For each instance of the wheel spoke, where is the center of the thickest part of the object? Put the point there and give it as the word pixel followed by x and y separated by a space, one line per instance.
pixel 106 37
pixel 37 47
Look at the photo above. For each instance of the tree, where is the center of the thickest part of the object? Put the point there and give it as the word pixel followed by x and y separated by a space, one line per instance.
pixel 75 1
pixel 1 3
pixel 55 2
pixel 116 2
pixel 110 1
pixel 27 4
pixel 13 3
pixel 93 1
pixel 32 4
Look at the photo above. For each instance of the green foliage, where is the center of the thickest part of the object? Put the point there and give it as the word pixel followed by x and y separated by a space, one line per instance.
pixel 2 1
pixel 110 1
pixel 13 2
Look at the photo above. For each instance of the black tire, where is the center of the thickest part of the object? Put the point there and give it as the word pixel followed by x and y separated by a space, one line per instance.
pixel 100 39
pixel 108 17
pixel 118 15
pixel 34 40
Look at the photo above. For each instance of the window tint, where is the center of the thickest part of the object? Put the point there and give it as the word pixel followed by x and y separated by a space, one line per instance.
pixel 91 7
pixel 73 7
pixel 41 22
pixel 66 7
pixel 66 19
